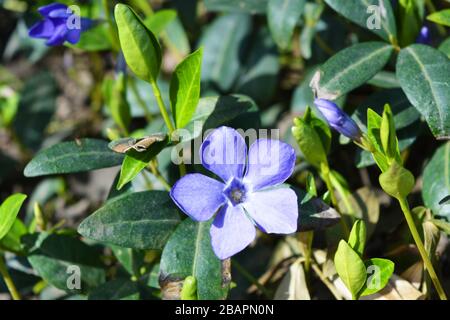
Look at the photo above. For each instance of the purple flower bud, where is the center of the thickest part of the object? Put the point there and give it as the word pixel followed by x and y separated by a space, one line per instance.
pixel 60 24
pixel 424 36
pixel 338 119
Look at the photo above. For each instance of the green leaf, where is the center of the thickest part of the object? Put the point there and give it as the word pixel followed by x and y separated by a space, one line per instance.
pixel 130 259
pixel 140 47
pixel 397 181
pixel 8 212
pixel 118 289
pixel 12 240
pixel 440 17
pixel 212 112
pixel 442 225
pixel 424 74
pixel 350 68
pixel 406 119
pixel 176 38
pixel 70 157
pixel 248 6
pixel 387 135
pixel 445 47
pixel 141 220
pixel 189 291
pixel 135 162
pixel 223 42
pixel 379 271
pixel 54 256
pixel 158 21
pixel 410 19
pixel 283 16
pixel 357 237
pixel 189 253
pixel 114 92
pixel 358 12
pixel 350 268
pixel 436 182
pixel 37 106
pixel 385 79
pixel 185 88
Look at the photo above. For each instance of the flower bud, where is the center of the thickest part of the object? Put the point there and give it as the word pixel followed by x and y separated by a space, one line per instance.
pixel 338 119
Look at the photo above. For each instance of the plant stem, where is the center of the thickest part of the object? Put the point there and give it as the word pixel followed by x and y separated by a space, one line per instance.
pixel 139 99
pixel 326 282
pixel 326 177
pixel 154 169
pixel 251 279
pixel 8 281
pixel 162 106
pixel 426 260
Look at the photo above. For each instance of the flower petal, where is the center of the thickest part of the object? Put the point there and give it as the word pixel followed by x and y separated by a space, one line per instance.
pixel 198 196
pixel 45 10
pixel 231 232
pixel 42 29
pixel 58 37
pixel 224 152
pixel 270 162
pixel 73 36
pixel 274 210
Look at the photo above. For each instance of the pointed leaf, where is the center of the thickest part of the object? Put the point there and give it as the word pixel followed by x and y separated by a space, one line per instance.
pixel 8 212
pixel 69 157
pixel 141 220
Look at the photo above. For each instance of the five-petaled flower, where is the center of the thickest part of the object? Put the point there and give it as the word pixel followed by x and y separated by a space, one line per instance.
pixel 250 193
pixel 60 24
pixel 338 119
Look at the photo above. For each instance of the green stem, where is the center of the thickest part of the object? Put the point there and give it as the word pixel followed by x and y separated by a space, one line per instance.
pixel 139 99
pixel 251 279
pixel 423 253
pixel 326 177
pixel 162 106
pixel 8 281
pixel 154 169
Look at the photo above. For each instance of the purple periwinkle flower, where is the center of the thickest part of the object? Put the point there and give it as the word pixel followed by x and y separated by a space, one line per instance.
pixel 60 24
pixel 249 194
pixel 424 36
pixel 338 119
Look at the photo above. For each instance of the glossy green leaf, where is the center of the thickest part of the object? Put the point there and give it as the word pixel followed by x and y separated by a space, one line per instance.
pixel 445 47
pixel 118 289
pixel 424 74
pixel 357 237
pixel 379 271
pixel 141 220
pixel 185 88
pixel 223 43
pixel 12 240
pixel 57 257
pixel 139 45
pixel 135 162
pixel 436 182
pixel 249 6
pixel 350 68
pixel 441 17
pixel 283 16
pixel 350 268
pixel 365 13
pixel 189 253
pixel 158 21
pixel 8 212
pixel 69 157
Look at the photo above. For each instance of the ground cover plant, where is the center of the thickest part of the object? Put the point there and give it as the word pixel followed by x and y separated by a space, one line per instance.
pixel 225 149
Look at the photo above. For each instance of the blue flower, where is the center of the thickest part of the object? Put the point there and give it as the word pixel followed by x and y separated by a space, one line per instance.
pixel 59 25
pixel 424 36
pixel 338 119
pixel 249 194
